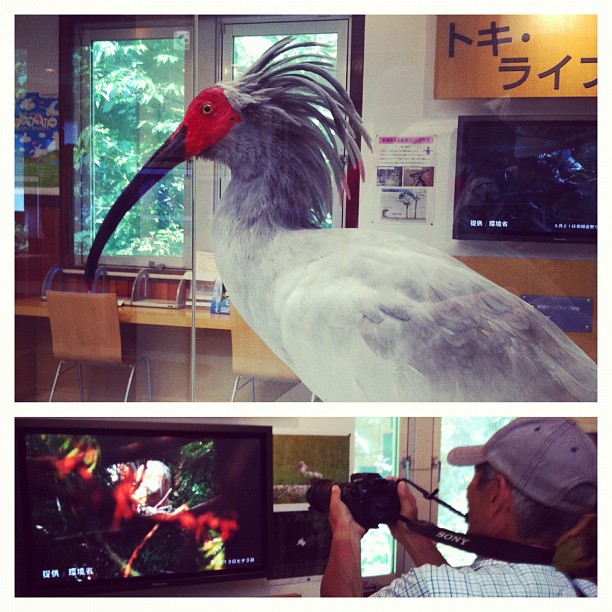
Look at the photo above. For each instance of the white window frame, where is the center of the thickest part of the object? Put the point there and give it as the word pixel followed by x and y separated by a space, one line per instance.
pixel 90 35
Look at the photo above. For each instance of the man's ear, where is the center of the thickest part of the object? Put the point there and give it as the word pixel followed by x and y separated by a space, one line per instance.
pixel 501 517
pixel 500 494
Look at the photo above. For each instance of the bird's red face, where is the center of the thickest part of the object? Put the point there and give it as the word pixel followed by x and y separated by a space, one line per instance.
pixel 208 119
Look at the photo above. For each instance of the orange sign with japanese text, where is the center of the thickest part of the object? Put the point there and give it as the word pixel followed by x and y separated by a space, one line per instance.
pixel 528 56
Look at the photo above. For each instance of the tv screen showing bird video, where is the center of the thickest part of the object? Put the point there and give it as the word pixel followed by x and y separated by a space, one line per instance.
pixel 154 504
pixel 526 178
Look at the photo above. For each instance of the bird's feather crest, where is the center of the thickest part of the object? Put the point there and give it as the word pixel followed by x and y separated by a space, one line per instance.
pixel 297 99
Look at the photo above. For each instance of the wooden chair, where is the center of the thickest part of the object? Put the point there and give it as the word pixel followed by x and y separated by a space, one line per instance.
pixel 85 329
pixel 252 359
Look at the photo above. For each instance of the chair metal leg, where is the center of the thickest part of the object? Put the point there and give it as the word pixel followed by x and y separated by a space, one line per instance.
pixel 149 388
pixel 235 389
pixel 60 370
pixel 238 385
pixel 132 367
pixel 129 385
pixel 80 377
pixel 57 375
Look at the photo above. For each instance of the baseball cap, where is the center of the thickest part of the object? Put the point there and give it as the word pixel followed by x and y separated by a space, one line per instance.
pixel 544 458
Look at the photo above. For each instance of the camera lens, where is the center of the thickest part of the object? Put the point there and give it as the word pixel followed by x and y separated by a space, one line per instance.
pixel 318 494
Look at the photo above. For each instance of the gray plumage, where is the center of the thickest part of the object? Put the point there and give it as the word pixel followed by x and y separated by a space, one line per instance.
pixel 362 315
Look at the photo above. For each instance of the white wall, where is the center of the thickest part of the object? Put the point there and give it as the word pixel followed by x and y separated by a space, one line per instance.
pixel 398 100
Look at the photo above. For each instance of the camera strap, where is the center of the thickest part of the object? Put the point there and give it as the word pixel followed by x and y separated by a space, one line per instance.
pixel 485 546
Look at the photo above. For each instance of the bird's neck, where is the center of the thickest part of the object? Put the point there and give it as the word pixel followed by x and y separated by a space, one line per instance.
pixel 243 227
pixel 244 249
pixel 277 182
pixel 255 202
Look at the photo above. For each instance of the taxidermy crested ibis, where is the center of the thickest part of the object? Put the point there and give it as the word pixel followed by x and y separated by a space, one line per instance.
pixel 358 315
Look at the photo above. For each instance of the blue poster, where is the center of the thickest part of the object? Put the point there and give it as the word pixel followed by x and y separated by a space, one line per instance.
pixel 37 139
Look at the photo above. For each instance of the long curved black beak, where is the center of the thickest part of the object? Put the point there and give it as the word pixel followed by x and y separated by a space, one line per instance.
pixel 167 157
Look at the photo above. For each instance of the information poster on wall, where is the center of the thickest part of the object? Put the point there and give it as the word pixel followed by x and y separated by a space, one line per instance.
pixel 405 177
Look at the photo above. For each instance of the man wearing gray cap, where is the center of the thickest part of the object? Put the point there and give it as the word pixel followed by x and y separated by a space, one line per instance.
pixel 535 481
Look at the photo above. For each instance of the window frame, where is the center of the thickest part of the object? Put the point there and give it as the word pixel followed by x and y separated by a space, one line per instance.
pixel 397 428
pixel 80 32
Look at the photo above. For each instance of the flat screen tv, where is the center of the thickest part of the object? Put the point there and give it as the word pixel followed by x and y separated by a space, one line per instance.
pixel 106 506
pixel 527 178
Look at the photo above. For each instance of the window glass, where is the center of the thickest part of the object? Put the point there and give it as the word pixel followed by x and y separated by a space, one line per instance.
pixel 376 450
pixel 454 480
pixel 131 98
pixel 131 93
pixel 125 82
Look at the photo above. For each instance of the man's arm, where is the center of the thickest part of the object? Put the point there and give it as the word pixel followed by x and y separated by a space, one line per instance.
pixel 342 577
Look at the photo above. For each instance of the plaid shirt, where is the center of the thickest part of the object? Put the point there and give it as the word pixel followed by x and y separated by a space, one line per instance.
pixel 487 578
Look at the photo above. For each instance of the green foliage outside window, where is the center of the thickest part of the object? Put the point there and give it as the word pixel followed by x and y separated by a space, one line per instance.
pixel 136 101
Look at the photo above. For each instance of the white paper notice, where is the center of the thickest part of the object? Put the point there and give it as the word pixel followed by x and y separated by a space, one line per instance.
pixel 405 177
pixel 206 269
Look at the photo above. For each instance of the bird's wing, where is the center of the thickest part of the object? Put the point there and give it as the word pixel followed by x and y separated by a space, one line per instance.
pixel 376 317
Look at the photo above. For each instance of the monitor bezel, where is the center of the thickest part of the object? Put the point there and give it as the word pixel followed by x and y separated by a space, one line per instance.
pixel 26 586
pixel 460 233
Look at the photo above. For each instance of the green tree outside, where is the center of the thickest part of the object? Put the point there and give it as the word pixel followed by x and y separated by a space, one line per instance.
pixel 137 100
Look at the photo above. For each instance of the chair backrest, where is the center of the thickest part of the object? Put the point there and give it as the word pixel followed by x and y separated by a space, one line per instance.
pixel 84 326
pixel 252 357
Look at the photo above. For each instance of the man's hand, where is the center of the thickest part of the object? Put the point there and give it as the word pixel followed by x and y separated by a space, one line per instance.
pixel 340 518
pixel 422 550
pixel 408 509
pixel 342 577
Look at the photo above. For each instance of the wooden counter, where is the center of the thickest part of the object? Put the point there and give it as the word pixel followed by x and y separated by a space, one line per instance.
pixel 139 315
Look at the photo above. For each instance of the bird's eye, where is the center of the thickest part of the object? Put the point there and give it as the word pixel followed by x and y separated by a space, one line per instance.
pixel 207 108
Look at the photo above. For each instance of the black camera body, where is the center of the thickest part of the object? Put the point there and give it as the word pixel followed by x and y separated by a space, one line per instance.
pixel 371 499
